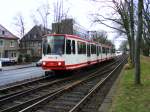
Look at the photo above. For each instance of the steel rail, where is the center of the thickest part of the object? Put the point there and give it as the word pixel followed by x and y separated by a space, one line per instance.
pixel 21 84
pixel 30 101
pixel 24 91
pixel 5 92
pixel 79 105
pixel 39 98
pixel 25 104
pixel 67 88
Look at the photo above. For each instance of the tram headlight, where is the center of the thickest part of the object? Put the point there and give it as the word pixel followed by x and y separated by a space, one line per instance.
pixel 59 63
pixel 44 63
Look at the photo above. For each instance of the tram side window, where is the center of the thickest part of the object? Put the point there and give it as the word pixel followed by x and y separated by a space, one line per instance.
pixel 107 52
pixel 100 50
pixel 84 48
pixel 112 51
pixel 81 47
pixel 73 47
pixel 93 49
pixel 103 49
pixel 68 46
pixel 97 50
pixel 88 50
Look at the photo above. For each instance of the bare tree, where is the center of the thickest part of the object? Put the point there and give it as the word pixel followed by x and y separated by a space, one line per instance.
pixel 123 17
pixel 59 11
pixel 20 24
pixel 127 20
pixel 146 20
pixel 43 12
pixel 137 42
pixel 99 36
pixel 34 19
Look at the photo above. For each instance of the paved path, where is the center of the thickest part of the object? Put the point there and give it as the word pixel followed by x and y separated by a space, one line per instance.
pixel 12 75
pixel 5 68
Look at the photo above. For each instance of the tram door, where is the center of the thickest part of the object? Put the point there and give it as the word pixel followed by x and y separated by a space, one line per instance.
pixel 88 53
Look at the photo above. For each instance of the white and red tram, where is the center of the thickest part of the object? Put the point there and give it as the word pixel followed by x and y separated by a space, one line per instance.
pixel 63 52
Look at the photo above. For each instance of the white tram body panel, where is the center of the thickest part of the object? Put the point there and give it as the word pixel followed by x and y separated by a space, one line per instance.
pixel 69 52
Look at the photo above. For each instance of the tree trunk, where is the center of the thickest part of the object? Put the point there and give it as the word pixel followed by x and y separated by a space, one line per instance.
pixel 132 31
pixel 137 43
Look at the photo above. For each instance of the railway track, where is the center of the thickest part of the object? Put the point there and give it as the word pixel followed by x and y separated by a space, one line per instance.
pixel 17 101
pixel 93 100
pixel 67 97
pixel 21 87
pixel 18 88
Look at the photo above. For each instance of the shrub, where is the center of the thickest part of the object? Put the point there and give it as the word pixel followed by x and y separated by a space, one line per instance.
pixel 27 58
pixel 20 59
pixel 35 58
pixel 129 65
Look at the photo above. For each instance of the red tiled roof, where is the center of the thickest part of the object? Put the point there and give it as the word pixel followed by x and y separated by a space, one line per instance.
pixel 7 34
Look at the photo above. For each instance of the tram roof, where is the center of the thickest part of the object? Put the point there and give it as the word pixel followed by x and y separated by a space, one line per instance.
pixel 77 37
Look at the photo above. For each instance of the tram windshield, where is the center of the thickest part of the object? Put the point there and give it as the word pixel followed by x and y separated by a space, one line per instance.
pixel 53 45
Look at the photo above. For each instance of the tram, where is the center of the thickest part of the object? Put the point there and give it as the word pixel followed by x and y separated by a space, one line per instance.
pixel 63 52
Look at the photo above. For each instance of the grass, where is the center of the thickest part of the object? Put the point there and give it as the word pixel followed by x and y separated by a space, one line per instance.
pixel 131 97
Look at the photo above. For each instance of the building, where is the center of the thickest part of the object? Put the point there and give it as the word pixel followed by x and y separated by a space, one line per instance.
pixel 69 26
pixel 31 43
pixel 8 45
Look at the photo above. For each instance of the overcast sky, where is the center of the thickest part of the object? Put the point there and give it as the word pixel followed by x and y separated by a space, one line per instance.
pixel 80 10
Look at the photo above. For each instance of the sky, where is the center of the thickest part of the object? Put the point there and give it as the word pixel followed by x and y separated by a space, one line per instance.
pixel 80 10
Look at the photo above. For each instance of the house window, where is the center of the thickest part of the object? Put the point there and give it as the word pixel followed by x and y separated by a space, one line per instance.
pixel 1 43
pixel 33 44
pixel 12 44
pixel 3 32
pixel 0 55
pixel 39 43
pixel 34 36
pixel 28 36
pixel 14 54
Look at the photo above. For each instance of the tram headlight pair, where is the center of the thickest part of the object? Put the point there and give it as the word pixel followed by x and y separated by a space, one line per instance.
pixel 44 63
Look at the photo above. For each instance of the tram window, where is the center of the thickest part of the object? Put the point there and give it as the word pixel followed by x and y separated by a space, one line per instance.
pixel 97 50
pixel 93 49
pixel 107 50
pixel 88 50
pixel 103 49
pixel 68 46
pixel 48 49
pixel 81 47
pixel 73 47
pixel 100 49
pixel 112 51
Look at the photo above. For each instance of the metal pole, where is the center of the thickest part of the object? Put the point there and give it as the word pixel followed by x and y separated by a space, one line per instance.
pixel 0 65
